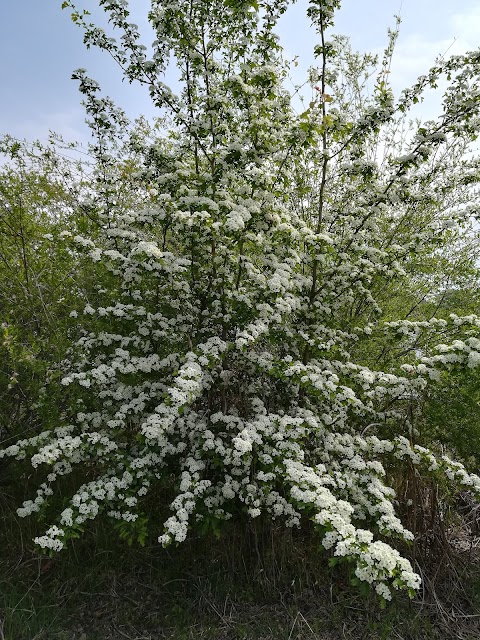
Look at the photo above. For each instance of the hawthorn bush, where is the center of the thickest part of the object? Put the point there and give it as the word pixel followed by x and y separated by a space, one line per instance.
pixel 250 340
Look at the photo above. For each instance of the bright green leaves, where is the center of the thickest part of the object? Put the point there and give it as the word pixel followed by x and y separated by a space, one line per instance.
pixel 133 531
pixel 239 5
pixel 76 16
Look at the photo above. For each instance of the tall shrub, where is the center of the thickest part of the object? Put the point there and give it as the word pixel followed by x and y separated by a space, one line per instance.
pixel 237 354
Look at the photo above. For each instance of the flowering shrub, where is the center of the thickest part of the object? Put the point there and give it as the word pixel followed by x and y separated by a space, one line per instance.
pixel 243 349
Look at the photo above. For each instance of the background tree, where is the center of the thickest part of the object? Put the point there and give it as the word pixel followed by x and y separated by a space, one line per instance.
pixel 38 283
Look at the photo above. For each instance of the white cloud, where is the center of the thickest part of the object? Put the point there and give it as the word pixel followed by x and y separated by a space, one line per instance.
pixel 68 123
pixel 466 26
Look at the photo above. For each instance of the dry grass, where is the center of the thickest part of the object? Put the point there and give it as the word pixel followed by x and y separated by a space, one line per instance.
pixel 247 586
pixel 256 582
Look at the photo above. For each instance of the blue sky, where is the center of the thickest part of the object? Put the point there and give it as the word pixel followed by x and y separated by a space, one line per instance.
pixel 40 47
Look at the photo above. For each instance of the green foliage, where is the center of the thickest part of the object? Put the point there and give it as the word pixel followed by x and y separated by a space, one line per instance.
pixel 35 198
pixel 133 532
pixel 451 415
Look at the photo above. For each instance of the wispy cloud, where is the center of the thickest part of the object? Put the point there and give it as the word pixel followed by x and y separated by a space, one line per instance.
pixel 415 54
pixel 466 26
pixel 68 123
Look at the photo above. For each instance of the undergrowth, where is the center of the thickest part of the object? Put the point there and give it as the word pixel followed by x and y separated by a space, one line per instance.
pixel 255 582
